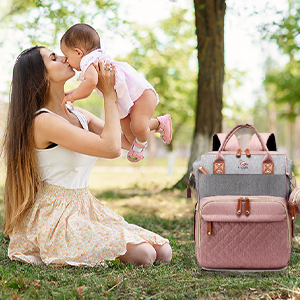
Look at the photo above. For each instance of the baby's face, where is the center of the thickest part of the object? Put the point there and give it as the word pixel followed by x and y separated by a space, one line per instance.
pixel 73 56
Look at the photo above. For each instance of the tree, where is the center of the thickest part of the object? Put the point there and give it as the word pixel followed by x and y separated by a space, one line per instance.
pixel 44 20
pixel 210 36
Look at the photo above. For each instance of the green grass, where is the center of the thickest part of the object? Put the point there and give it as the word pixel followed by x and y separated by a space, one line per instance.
pixel 181 279
pixel 169 214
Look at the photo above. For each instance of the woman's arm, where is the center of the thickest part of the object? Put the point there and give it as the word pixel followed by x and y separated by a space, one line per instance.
pixel 106 143
pixel 96 125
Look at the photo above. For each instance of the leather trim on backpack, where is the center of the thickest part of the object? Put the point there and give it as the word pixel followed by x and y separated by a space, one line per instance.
pixel 268 168
pixel 219 167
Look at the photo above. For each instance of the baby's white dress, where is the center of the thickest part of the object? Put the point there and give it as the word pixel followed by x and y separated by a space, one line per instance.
pixel 129 84
pixel 67 225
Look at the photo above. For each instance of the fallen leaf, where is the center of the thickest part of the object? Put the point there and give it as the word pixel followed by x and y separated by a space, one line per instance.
pixel 80 289
pixel 36 284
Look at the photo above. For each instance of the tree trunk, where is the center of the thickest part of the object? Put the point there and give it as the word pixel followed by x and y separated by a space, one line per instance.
pixel 210 36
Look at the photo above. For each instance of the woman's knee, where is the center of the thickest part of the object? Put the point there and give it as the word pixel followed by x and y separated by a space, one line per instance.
pixel 163 252
pixel 141 254
pixel 147 254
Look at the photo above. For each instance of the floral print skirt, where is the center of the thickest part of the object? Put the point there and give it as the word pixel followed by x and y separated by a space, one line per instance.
pixel 71 227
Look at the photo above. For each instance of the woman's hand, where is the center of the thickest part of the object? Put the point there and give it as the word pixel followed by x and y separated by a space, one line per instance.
pixel 106 76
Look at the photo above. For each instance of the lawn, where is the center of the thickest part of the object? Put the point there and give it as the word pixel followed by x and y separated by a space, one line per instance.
pixel 136 193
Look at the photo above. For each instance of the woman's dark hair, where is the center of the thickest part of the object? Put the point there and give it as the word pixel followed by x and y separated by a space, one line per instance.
pixel 29 90
pixel 81 36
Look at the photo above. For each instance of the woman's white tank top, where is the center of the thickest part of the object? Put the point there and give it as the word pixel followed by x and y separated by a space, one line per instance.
pixel 63 167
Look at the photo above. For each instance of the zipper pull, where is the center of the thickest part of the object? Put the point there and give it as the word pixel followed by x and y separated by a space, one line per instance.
pixel 293 205
pixel 188 191
pixel 201 169
pixel 293 211
pixel 239 206
pixel 247 207
pixel 209 228
pixel 238 153
pixel 188 188
pixel 248 153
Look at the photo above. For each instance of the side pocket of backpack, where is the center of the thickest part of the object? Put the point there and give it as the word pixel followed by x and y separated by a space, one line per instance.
pixel 294 203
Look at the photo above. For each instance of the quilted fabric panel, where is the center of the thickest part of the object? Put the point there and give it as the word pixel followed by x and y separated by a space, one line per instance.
pixel 244 245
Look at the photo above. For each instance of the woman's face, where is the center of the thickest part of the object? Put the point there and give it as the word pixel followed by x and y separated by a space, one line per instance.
pixel 58 69
pixel 74 56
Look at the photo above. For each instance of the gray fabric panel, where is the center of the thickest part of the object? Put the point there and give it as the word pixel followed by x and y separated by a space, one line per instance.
pixel 252 185
pixel 244 164
pixel 289 165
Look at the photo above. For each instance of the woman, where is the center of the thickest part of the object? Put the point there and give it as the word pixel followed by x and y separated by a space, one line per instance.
pixel 50 149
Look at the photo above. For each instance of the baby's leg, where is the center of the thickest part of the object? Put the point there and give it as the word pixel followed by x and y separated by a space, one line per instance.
pixel 141 114
pixel 153 124
pixel 125 125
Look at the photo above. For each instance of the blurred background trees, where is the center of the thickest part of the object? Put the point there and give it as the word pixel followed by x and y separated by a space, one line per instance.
pixel 282 82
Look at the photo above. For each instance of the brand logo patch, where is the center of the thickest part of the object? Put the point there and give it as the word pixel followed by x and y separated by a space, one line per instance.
pixel 243 165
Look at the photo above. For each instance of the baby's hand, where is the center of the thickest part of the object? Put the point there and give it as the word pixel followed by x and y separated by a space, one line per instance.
pixel 68 98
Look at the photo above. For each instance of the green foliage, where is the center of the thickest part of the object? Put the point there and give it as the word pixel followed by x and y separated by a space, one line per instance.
pixel 286 31
pixel 282 83
pixel 166 55
pixel 44 20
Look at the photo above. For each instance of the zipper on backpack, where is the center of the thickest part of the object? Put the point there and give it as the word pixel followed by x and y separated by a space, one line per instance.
pixel 240 206
pixel 247 207
pixel 209 228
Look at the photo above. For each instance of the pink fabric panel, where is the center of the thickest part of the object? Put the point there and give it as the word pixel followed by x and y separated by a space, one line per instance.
pixel 258 241
pixel 232 144
pixel 255 144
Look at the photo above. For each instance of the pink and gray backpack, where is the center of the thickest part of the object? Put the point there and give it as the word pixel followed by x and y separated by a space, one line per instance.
pixel 246 204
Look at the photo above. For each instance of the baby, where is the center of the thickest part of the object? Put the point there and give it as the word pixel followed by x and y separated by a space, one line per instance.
pixel 137 99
